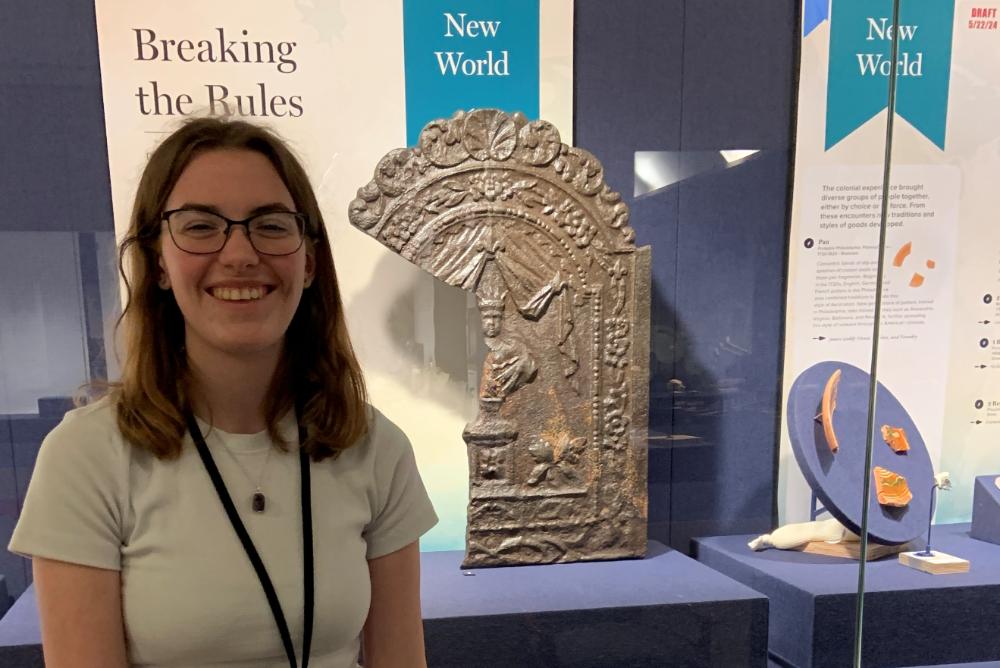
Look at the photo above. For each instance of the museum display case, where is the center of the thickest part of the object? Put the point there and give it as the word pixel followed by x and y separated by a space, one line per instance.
pixel 695 343
pixel 888 351
pixel 938 346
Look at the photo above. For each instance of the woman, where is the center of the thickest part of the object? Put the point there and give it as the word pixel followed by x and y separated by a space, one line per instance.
pixel 174 522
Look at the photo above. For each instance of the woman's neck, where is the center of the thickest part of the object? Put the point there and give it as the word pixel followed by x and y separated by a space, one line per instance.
pixel 229 390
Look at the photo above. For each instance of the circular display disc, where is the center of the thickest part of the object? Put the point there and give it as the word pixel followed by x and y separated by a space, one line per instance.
pixel 838 478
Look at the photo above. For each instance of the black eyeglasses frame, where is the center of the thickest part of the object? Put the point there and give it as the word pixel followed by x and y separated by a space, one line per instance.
pixel 300 217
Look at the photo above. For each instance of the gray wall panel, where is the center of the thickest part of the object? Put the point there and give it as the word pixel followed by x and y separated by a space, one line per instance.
pixel 739 60
pixel 54 157
pixel 702 76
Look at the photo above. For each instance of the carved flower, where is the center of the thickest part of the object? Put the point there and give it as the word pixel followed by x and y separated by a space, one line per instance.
pixel 490 186
pixel 581 169
pixel 402 226
pixel 572 219
pixel 556 466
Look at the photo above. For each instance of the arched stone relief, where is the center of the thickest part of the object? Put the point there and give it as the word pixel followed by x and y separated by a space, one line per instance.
pixel 500 207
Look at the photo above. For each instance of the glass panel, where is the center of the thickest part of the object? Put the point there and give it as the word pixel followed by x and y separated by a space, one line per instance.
pixel 830 334
pixel 939 349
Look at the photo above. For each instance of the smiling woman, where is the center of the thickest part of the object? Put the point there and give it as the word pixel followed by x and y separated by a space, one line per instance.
pixel 209 265
pixel 236 465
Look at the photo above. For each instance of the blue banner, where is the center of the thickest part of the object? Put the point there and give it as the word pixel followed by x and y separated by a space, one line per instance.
pixel 461 54
pixel 860 45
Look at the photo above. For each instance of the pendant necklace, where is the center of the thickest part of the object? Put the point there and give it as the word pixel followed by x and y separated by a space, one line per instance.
pixel 308 577
pixel 258 502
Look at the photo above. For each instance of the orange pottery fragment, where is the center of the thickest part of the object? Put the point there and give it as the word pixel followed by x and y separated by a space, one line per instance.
pixel 827 408
pixel 895 438
pixel 891 488
pixel 931 264
pixel 901 254
pixel 916 281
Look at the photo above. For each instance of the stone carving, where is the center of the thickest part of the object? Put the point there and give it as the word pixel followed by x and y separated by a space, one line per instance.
pixel 500 207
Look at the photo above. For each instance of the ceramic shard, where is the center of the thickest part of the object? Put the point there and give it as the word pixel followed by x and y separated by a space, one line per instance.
pixel 827 408
pixel 891 488
pixel 498 206
pixel 895 438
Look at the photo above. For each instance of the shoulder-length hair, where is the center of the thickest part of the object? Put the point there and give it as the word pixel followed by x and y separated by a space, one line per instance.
pixel 318 374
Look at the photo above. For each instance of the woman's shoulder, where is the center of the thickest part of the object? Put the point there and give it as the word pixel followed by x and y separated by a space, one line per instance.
pixel 96 414
pixel 381 429
pixel 383 441
pixel 93 427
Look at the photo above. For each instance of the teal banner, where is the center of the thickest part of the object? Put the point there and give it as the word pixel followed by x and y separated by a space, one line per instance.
pixel 461 54
pixel 860 45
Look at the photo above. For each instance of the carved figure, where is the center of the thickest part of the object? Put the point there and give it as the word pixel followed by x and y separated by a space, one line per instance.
pixel 499 206
pixel 891 488
pixel 895 438
pixel 509 365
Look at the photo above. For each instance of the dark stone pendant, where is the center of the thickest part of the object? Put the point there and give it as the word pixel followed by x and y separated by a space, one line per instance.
pixel 258 502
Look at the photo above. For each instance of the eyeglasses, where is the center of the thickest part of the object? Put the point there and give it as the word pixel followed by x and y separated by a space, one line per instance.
pixel 202 232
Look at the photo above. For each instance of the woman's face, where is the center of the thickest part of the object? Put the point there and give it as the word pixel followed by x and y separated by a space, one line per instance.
pixel 235 183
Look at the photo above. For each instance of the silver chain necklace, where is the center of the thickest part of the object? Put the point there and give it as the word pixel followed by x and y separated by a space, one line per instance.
pixel 258 502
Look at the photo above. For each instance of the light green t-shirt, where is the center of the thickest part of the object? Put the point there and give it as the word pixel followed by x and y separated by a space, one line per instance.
pixel 189 593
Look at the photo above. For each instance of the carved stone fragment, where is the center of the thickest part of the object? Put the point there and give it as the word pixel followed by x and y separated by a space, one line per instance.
pixel 500 207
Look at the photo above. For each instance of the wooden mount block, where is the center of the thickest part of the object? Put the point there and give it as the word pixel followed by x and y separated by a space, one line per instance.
pixel 852 550
pixel 938 563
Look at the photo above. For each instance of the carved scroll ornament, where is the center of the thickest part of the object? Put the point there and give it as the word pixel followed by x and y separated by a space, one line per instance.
pixel 499 206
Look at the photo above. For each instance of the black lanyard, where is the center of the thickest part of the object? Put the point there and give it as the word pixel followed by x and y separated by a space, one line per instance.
pixel 258 565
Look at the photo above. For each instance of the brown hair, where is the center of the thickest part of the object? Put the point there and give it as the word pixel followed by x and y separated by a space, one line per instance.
pixel 318 371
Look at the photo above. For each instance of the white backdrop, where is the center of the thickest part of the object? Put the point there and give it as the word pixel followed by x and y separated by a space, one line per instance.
pixel 337 87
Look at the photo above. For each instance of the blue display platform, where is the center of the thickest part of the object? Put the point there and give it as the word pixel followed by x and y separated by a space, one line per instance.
pixel 910 618
pixel 665 610
pixel 986 509
pixel 20 636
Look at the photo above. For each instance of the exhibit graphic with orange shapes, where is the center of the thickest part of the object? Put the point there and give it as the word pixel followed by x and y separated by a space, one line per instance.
pixel 902 253
pixel 917 279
